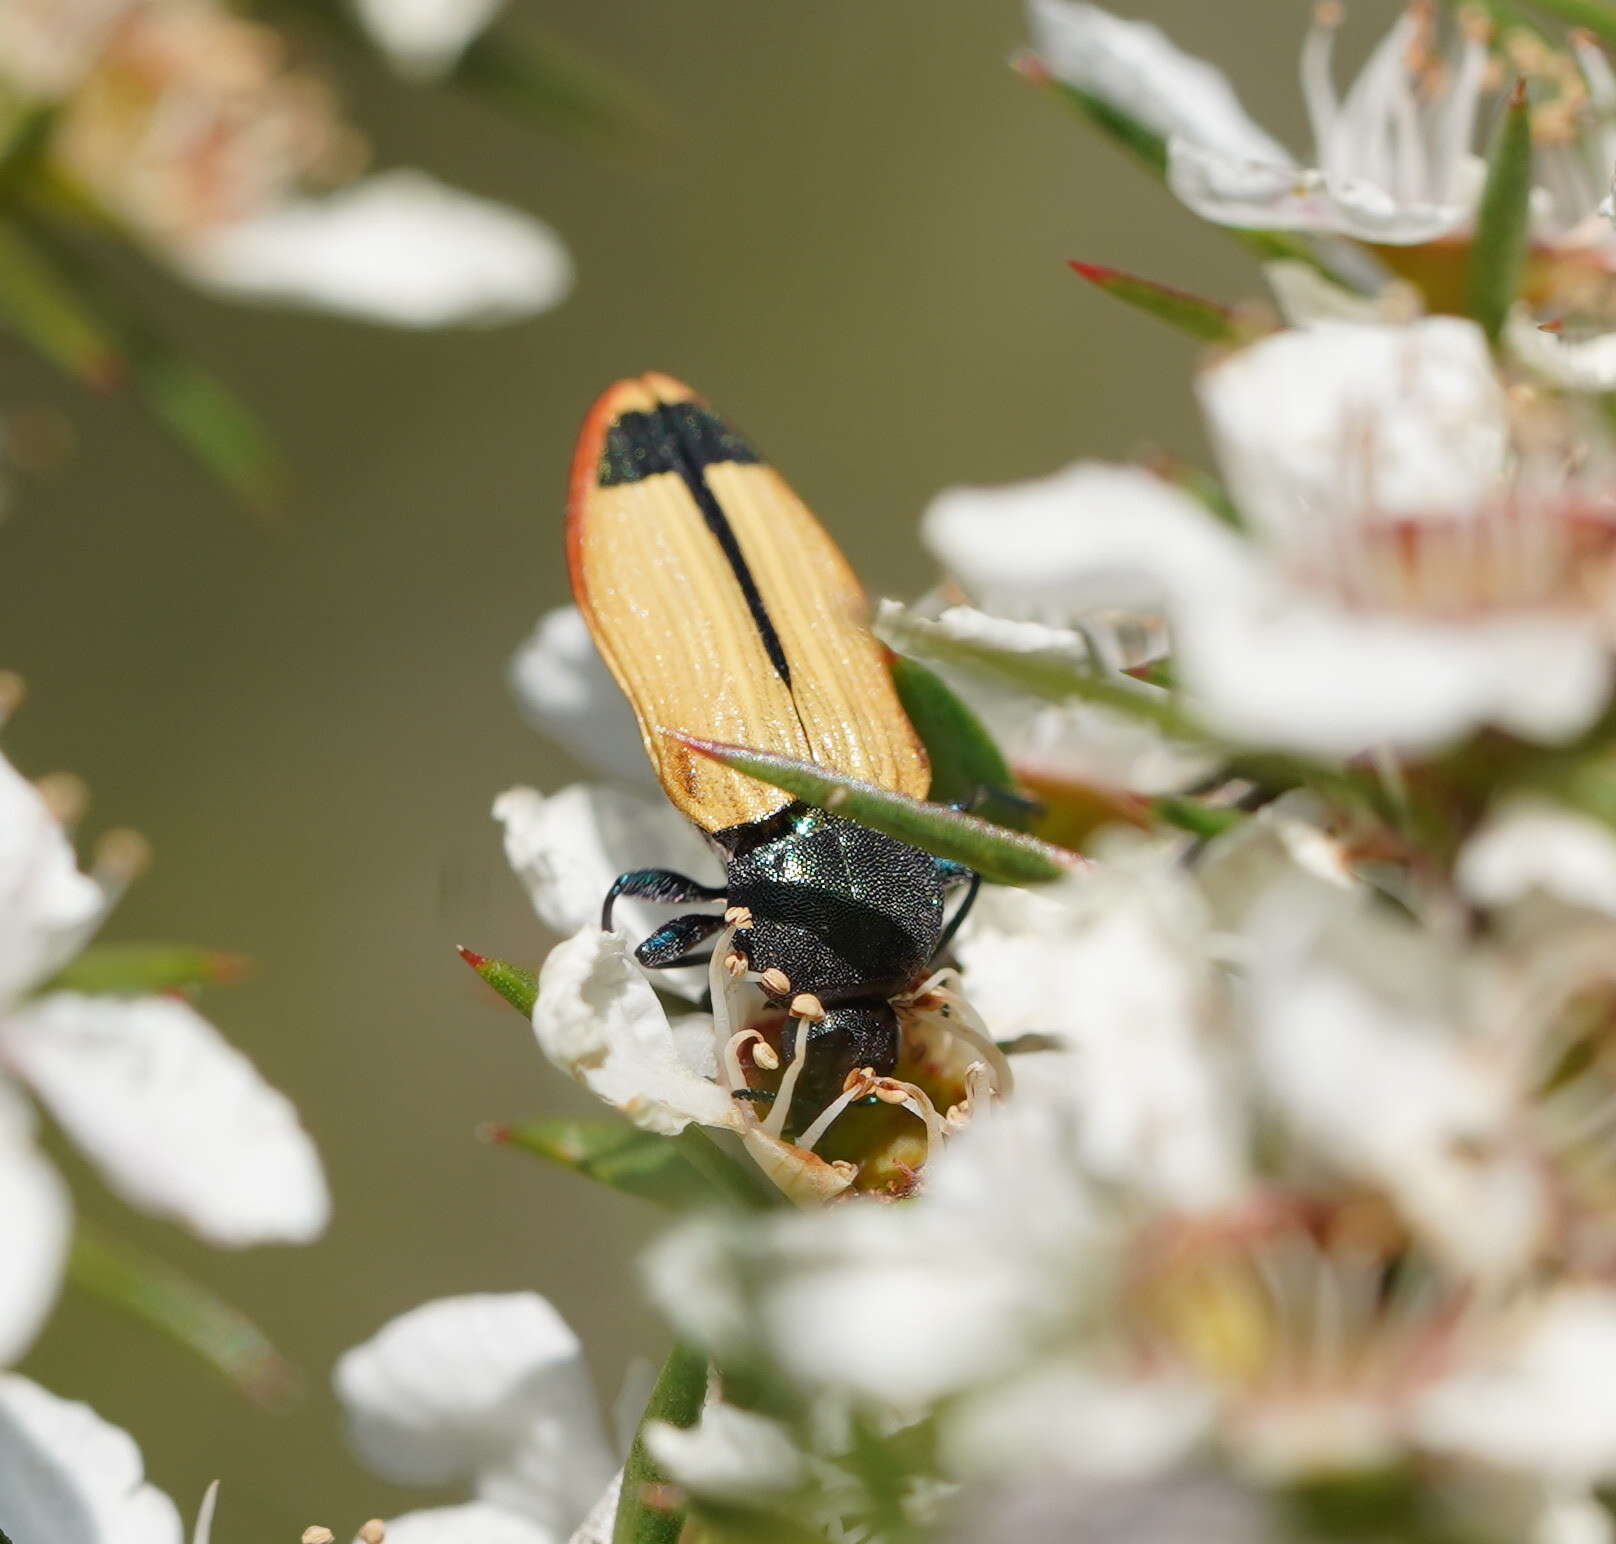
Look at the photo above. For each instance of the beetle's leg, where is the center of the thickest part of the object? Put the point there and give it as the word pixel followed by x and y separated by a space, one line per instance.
pixel 952 874
pixel 674 940
pixel 655 885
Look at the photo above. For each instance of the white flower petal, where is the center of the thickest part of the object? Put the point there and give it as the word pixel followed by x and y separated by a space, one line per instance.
pixel 729 1453
pixel 1137 69
pixel 425 37
pixel 491 1386
pixel 68 1477
pixel 598 1526
pixel 47 907
pixel 1574 364
pixel 1545 1404
pixel 1532 845
pixel 400 248
pixel 38 1213
pixel 598 1019
pixel 1118 974
pixel 475 1522
pixel 568 847
pixel 1406 420
pixel 566 691
pixel 1276 667
pixel 1092 535
pixel 1262 193
pixel 177 1120
pixel 1305 296
pixel 1573 1519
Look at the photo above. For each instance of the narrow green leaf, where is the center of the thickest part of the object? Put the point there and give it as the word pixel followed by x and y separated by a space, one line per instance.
pixel 520 988
pixel 1498 253
pixel 966 766
pixel 999 855
pixel 1046 675
pixel 1202 319
pixel 651 1511
pixel 1195 815
pixel 116 969
pixel 678 1172
pixel 169 1301
pixel 52 317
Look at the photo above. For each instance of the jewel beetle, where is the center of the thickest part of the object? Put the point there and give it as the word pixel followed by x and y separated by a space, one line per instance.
pixel 725 611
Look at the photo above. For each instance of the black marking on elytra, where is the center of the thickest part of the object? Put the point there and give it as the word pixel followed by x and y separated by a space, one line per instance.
pixel 687 438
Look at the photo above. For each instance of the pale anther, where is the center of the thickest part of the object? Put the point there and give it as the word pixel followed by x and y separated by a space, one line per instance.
pixel 374 1532
pixel 735 963
pixel 776 980
pixel 765 1056
pixel 739 916
pixel 806 1006
pixel 318 1535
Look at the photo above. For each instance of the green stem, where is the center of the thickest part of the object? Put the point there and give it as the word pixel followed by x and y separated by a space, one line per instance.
pixel 649 1510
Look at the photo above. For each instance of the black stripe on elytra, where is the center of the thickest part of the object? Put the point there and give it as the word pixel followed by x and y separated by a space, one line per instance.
pixel 686 438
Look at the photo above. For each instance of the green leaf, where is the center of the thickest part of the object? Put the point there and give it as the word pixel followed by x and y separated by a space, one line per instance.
pixel 679 1172
pixel 1195 815
pixel 1498 253
pixel 999 855
pixel 49 314
pixel 651 1511
pixel 520 988
pixel 966 766
pixel 1203 319
pixel 118 969
pixel 171 1302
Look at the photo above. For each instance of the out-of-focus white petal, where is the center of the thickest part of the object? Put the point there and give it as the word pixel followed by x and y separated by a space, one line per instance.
pixel 565 689
pixel 38 1215
pixel 47 907
pixel 1574 364
pixel 400 248
pixel 491 1386
pixel 1282 667
pixel 425 37
pixel 568 847
pixel 202 1533
pixel 475 1522
pixel 46 47
pixel 1137 69
pixel 1544 1403
pixel 1403 420
pixel 1063 1418
pixel 1531 844
pixel 1092 535
pixel 1263 193
pixel 1359 1021
pixel 598 1019
pixel 1305 296
pixel 729 1453
pixel 1573 1519
pixel 68 1477
pixel 1117 973
pixel 178 1121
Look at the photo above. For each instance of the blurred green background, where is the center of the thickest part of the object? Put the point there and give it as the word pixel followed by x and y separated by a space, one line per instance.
pixel 852 238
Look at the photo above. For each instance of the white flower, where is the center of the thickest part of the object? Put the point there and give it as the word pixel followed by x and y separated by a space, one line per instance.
pixel 425 38
pixel 1414 569
pixel 1394 162
pixel 399 247
pixel 566 691
pixel 68 1477
pixel 490 1389
pixel 47 46
pixel 177 1121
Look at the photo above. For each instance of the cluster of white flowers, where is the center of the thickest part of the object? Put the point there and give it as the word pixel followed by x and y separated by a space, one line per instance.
pixel 1303 1190
pixel 183 124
